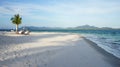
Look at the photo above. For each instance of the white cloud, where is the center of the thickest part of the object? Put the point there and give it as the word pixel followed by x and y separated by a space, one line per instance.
pixel 61 8
pixel 66 12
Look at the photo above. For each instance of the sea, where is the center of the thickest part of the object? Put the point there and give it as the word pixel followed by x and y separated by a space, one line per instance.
pixel 108 40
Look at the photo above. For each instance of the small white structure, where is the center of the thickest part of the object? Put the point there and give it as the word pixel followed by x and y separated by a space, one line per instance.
pixel 21 32
pixel 27 32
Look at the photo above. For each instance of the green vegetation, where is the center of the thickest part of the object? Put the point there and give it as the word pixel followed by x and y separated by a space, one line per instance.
pixel 16 20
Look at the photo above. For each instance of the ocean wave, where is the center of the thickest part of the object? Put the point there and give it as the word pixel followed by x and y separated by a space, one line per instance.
pixel 109 44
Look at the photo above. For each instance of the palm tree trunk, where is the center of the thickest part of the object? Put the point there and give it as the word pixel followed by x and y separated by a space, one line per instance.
pixel 16 28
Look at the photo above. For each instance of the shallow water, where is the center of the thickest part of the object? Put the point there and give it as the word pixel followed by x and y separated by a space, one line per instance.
pixel 109 40
pixel 110 43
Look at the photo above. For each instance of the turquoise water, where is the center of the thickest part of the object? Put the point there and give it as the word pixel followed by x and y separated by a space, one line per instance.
pixel 109 40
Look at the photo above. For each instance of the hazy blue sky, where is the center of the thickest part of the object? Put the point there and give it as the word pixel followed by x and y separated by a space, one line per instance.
pixel 61 13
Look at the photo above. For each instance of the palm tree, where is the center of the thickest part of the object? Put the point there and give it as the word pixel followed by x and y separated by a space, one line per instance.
pixel 16 20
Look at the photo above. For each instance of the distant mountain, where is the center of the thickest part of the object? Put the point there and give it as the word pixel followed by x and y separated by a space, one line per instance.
pixel 86 27
pixel 83 27
pixel 106 28
pixel 93 27
pixel 39 28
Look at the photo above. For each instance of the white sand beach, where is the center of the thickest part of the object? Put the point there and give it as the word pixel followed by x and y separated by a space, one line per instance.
pixel 52 49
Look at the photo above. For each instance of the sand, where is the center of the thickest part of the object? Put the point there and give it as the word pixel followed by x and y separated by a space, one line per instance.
pixel 50 49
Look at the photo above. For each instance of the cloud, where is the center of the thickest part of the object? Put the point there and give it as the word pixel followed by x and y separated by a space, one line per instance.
pixel 61 8
pixel 66 12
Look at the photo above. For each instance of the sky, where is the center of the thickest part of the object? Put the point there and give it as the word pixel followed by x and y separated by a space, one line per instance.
pixel 61 13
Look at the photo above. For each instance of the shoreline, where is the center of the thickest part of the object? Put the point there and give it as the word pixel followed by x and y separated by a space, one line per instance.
pixel 109 57
pixel 99 48
pixel 51 48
